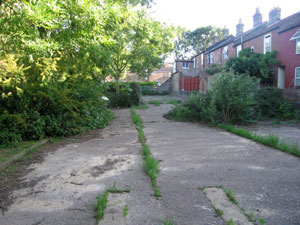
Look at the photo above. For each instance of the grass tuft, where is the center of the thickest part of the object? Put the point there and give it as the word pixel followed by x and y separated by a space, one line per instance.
pixel 141 107
pixel 230 195
pixel 101 205
pixel 174 102
pixel 125 210
pixel 168 222
pixel 155 102
pixel 268 140
pixel 150 164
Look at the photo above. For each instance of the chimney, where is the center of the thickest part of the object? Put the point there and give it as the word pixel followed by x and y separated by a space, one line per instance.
pixel 215 39
pixel 257 18
pixel 274 15
pixel 239 28
pixel 225 32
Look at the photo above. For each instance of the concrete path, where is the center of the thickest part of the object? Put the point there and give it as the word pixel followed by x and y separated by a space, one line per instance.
pixel 69 179
pixel 265 181
pixel 66 183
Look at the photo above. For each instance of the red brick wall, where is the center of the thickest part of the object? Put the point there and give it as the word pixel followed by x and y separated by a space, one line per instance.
pixel 258 43
pixel 287 56
pixel 179 66
pixel 231 51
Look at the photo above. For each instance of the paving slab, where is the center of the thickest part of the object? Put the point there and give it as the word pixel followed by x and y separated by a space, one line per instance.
pixel 265 181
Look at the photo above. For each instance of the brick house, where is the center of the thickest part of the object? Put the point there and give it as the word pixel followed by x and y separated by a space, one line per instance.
pixel 289 53
pixel 265 37
pixel 183 65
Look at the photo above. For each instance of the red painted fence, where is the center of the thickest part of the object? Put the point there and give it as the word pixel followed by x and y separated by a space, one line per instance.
pixel 190 83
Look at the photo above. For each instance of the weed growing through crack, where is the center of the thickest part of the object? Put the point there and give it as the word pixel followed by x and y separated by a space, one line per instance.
pixel 268 140
pixel 102 200
pixel 230 222
pixel 230 195
pixel 262 221
pixel 218 211
pixel 150 164
pixel 156 102
pixel 141 107
pixel 125 210
pixel 101 205
pixel 168 222
pixel 114 189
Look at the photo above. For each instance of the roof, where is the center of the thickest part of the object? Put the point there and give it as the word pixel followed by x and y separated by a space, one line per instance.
pixel 283 25
pixel 183 60
pixel 292 22
pixel 220 44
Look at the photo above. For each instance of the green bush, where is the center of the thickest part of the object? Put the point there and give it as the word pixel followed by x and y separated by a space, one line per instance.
pixel 149 91
pixel 230 100
pixel 129 95
pixel 272 104
pixel 40 111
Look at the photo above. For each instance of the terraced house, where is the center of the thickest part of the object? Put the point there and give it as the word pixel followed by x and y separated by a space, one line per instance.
pixel 281 35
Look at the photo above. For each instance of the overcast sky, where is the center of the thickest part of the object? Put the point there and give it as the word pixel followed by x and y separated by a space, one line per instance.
pixel 196 13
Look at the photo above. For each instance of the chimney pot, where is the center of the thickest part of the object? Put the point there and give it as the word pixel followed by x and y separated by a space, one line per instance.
pixel 239 28
pixel 274 15
pixel 257 18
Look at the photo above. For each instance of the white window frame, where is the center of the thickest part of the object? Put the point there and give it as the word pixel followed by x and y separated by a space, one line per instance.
pixel 297 77
pixel 185 65
pixel 211 58
pixel 298 43
pixel 265 37
pixel 202 59
pixel 225 52
pixel 238 50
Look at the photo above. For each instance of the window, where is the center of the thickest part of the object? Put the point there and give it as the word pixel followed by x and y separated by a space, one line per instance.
pixel 297 77
pixel 225 52
pixel 185 65
pixel 267 43
pixel 298 46
pixel 202 59
pixel 252 49
pixel 238 49
pixel 211 58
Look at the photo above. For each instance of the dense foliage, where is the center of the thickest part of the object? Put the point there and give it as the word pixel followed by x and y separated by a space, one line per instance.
pixel 55 55
pixel 234 99
pixel 129 94
pixel 254 64
pixel 230 100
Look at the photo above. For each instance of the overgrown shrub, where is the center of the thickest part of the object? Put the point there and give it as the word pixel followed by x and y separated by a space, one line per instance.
pixel 270 103
pixel 149 91
pixel 40 111
pixel 129 95
pixel 230 100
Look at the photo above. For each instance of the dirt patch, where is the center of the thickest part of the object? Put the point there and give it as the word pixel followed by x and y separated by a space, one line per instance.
pixel 108 165
pixel 13 180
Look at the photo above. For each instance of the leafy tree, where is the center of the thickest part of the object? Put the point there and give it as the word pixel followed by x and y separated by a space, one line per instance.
pixel 194 42
pixel 253 64
pixel 137 43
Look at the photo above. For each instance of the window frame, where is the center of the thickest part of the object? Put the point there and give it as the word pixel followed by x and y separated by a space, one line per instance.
pixel 265 37
pixel 298 43
pixel 202 59
pixel 185 63
pixel 297 78
pixel 211 58
pixel 225 52
pixel 238 50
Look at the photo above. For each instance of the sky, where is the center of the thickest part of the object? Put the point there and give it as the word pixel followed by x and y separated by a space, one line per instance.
pixel 196 13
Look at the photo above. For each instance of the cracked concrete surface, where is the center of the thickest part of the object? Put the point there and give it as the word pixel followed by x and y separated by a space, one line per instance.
pixel 66 183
